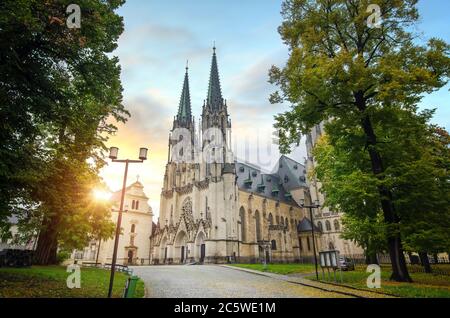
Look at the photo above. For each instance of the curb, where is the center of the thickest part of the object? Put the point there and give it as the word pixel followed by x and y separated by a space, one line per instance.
pixel 305 284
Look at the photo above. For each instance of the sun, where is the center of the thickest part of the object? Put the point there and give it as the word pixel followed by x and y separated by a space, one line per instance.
pixel 101 195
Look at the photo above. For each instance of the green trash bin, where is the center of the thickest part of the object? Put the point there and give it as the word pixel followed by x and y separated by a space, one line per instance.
pixel 130 287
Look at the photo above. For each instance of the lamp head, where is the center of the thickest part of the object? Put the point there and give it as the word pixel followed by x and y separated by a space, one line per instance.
pixel 113 152
pixel 143 153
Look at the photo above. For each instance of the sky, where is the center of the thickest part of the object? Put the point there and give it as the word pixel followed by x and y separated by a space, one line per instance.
pixel 159 38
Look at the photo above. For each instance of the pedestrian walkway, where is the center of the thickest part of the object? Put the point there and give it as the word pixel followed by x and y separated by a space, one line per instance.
pixel 214 281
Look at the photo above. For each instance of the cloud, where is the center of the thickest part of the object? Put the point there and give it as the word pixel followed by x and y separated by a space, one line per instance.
pixel 148 126
pixel 251 84
pixel 159 32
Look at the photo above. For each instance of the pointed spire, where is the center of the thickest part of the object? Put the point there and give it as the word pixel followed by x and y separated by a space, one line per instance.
pixel 184 108
pixel 214 99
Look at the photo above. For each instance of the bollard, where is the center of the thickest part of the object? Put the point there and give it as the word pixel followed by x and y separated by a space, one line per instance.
pixel 130 287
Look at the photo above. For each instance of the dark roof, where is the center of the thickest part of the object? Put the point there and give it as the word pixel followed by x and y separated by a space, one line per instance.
pixel 228 168
pixel 305 226
pixel 275 185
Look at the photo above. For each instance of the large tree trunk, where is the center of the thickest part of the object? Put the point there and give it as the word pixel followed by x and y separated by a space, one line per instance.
pixel 436 258
pixel 399 269
pixel 425 262
pixel 47 244
pixel 371 258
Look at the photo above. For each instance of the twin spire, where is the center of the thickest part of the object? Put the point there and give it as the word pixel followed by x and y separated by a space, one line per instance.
pixel 184 108
pixel 214 99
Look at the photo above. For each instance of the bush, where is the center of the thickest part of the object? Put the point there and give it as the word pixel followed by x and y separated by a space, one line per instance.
pixel 62 256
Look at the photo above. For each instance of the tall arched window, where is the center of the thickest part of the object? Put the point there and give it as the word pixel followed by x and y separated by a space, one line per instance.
pixel 270 219
pixel 320 226
pixel 328 225
pixel 274 245
pixel 308 243
pixel 137 205
pixel 133 228
pixel 132 205
pixel 258 226
pixel 242 219
pixel 337 226
pixel 277 219
pixel 282 221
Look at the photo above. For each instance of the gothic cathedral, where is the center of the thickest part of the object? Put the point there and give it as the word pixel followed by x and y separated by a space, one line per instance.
pixel 223 210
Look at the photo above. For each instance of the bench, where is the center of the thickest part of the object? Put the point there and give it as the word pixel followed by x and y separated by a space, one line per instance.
pixel 91 264
pixel 120 268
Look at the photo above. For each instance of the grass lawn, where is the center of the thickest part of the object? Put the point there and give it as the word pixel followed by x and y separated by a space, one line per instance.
pixel 50 281
pixel 280 268
pixel 424 285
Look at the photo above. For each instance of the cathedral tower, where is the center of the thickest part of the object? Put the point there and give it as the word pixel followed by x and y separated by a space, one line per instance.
pixel 183 127
pixel 215 119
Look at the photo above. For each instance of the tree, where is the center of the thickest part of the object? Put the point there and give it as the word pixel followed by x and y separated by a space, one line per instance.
pixel 351 187
pixel 417 176
pixel 340 68
pixel 426 196
pixel 59 90
pixel 369 233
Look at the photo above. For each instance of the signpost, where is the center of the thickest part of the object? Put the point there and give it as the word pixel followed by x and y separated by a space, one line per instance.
pixel 330 260
pixel 266 248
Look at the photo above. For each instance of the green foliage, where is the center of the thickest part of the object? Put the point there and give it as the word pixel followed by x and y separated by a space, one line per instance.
pixel 284 269
pixel 60 93
pixel 417 176
pixel 336 61
pixel 424 286
pixel 51 282
pixel 62 256
pixel 366 82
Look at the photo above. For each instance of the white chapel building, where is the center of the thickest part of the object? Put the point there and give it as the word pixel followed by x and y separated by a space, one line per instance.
pixel 134 242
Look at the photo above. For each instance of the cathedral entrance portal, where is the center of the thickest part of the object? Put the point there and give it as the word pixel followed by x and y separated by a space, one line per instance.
pixel 202 253
pixel 130 257
pixel 180 246
pixel 200 247
pixel 182 255
pixel 163 250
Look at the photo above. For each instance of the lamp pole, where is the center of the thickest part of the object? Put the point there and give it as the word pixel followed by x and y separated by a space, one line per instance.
pixel 310 207
pixel 113 152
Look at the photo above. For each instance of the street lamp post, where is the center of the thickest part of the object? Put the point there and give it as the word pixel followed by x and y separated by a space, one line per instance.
pixel 310 207
pixel 113 152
